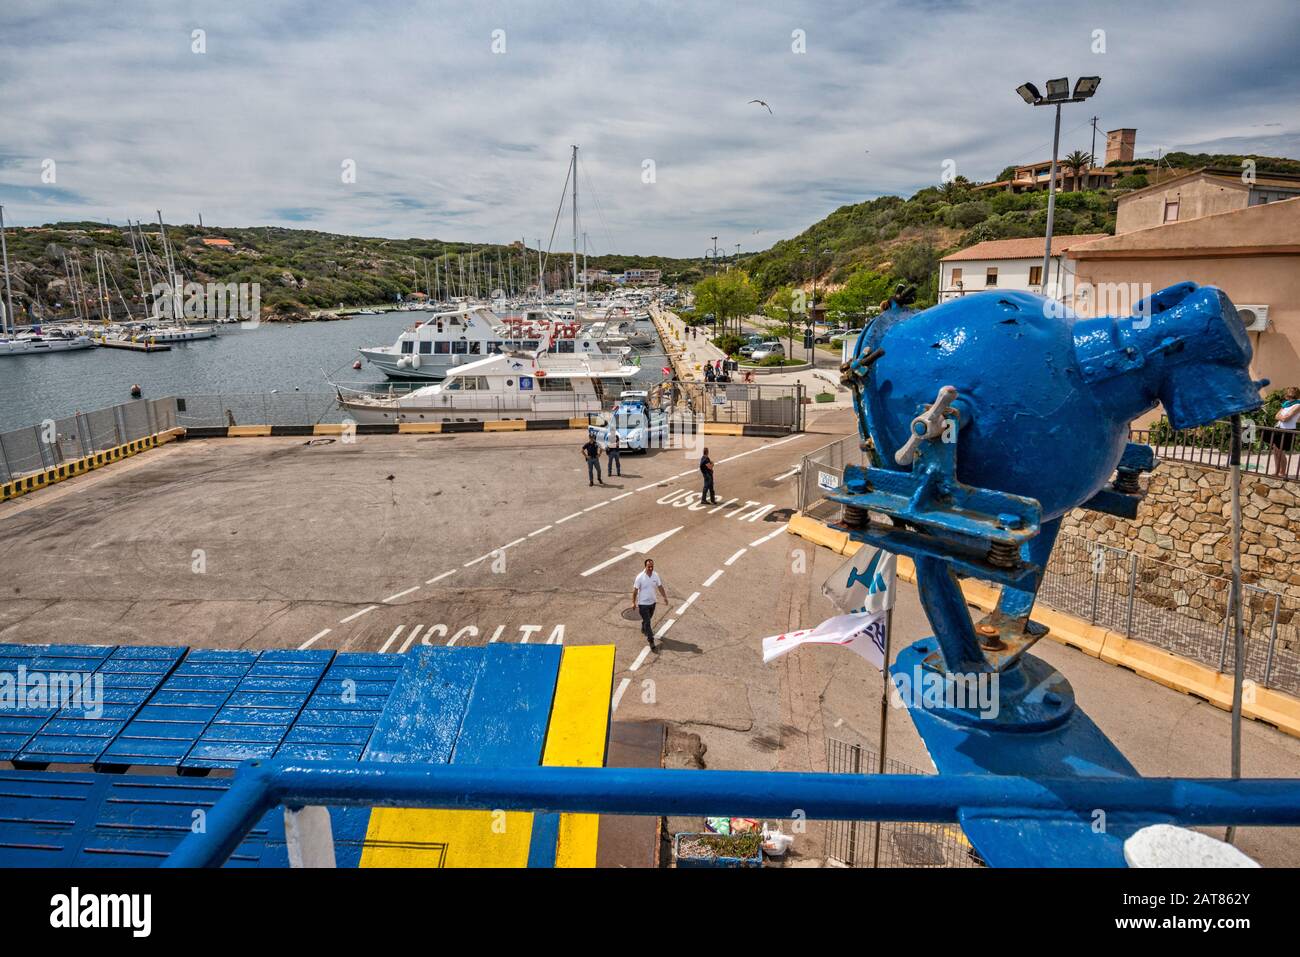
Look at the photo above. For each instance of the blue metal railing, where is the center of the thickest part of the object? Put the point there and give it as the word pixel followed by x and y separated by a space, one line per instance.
pixel 260 786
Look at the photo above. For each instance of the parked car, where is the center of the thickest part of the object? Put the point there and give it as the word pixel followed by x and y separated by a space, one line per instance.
pixel 748 349
pixel 766 350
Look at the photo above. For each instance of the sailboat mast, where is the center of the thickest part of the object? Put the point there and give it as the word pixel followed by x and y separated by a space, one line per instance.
pixel 575 231
pixel 8 317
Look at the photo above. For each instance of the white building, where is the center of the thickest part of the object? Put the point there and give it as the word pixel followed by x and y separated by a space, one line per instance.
pixel 1007 264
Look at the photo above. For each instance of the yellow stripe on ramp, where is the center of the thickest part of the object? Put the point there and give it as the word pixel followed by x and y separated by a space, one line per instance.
pixel 505 425
pixel 576 738
pixel 452 838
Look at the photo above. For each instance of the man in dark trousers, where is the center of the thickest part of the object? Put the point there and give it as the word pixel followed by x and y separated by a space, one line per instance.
pixel 613 450
pixel 706 466
pixel 644 587
pixel 591 452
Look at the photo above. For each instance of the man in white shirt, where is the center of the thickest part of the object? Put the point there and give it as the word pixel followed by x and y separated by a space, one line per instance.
pixel 643 599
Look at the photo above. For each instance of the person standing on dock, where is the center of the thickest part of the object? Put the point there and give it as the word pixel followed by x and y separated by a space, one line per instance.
pixel 591 452
pixel 613 449
pixel 706 467
pixel 644 587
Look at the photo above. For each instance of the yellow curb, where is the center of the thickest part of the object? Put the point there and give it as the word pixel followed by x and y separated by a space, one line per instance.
pixel 246 431
pixel 328 428
pixel 723 428
pixel 418 428
pixel 578 423
pixel 1165 668
pixel 505 425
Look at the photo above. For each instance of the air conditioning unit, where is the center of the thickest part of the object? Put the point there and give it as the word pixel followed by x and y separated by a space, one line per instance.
pixel 1255 317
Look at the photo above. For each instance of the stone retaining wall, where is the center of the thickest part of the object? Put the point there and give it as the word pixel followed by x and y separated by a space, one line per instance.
pixel 1185 519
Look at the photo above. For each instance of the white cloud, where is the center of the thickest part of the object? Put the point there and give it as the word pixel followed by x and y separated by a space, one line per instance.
pixel 455 142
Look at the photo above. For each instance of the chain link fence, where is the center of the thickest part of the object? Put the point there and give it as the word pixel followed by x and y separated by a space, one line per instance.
pixel 902 844
pixel 55 442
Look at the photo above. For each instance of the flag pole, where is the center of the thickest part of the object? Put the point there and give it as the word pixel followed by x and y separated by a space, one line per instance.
pixel 884 715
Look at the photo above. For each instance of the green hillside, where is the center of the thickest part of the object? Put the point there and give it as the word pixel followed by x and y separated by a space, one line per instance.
pixel 299 270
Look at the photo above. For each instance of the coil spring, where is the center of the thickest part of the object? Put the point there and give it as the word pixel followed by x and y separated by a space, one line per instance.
pixel 1004 554
pixel 855 517
pixel 1126 481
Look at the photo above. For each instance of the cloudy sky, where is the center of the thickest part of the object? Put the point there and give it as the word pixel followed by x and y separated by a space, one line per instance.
pixel 455 140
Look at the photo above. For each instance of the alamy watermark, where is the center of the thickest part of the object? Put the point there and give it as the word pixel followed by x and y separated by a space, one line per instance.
pixel 213 301
pixel 24 690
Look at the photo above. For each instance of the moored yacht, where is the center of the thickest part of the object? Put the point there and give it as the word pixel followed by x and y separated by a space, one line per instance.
pixel 37 343
pixel 446 340
pixel 510 385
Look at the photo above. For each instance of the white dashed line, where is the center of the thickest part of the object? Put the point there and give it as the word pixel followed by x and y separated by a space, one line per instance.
pixel 438 578
pixel 357 614
pixel 561 521
pixel 514 543
pixel 617 497
pixel 732 560
pixel 481 558
pixel 618 694
pixel 314 638
pixel 401 594
pixel 544 528
pixel 640 659
pixel 712 578
pixel 391 638
pixel 732 458
pixel 786 475
pixel 688 602
pixel 768 537
pixel 650 486
pixel 592 508
pixel 663 629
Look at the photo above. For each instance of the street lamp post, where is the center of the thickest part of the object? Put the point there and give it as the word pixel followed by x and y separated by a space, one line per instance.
pixel 1058 93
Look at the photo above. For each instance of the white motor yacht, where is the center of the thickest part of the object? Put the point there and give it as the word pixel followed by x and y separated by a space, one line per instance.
pixel 446 340
pixel 538 384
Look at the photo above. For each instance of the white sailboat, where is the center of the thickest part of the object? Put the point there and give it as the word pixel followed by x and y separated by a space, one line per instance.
pixel 14 343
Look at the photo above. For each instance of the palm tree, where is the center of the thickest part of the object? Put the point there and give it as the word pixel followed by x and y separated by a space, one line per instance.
pixel 1078 163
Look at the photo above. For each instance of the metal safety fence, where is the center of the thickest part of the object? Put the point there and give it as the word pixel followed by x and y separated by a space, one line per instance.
pixel 822 472
pixel 1180 610
pixel 57 441
pixel 1264 450
pixel 771 405
pixel 901 844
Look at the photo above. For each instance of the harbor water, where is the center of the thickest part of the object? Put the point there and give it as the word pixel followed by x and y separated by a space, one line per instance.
pixel 281 357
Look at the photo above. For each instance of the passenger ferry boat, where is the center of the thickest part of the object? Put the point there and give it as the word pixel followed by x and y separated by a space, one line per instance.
pixel 448 340
pixel 530 383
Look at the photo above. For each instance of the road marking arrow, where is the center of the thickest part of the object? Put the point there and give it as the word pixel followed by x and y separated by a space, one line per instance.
pixel 634 548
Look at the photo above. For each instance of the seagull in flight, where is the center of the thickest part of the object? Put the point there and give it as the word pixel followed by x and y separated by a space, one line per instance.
pixel 761 103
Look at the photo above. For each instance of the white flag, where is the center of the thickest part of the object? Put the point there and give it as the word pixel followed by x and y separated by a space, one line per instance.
pixel 861 634
pixel 865 583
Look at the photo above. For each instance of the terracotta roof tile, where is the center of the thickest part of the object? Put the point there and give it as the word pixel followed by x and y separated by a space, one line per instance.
pixel 1031 248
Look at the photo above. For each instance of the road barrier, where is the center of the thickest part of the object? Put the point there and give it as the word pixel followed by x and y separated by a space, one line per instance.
pixel 48 450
